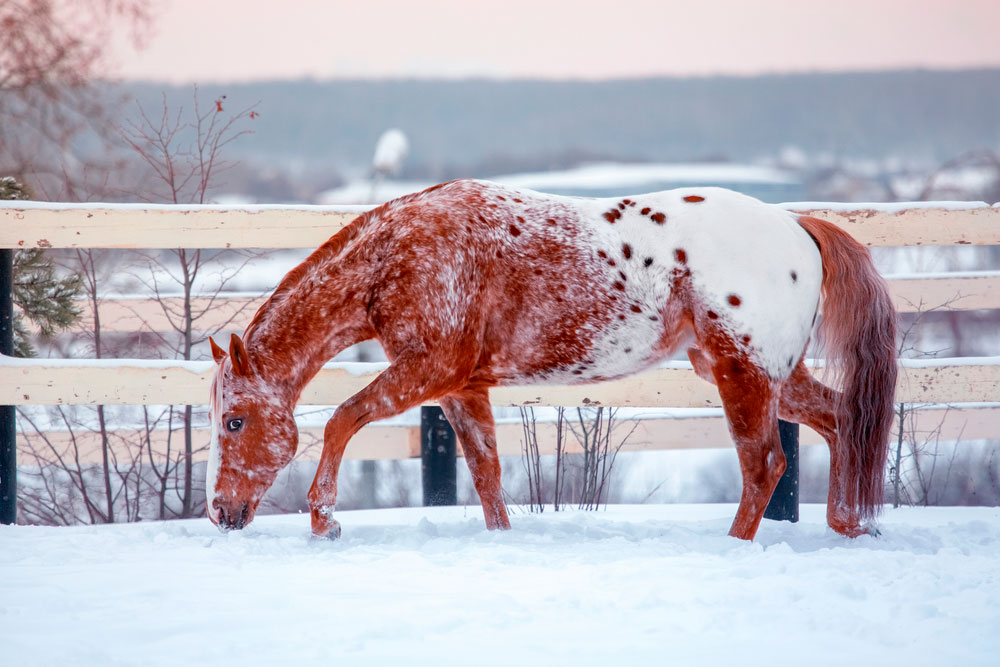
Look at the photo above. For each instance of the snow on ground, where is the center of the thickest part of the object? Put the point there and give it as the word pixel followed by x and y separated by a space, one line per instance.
pixel 657 584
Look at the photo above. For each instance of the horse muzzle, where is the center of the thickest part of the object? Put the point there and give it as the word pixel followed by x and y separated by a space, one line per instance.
pixel 232 515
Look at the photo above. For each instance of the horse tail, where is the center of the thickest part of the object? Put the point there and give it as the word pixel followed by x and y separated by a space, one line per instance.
pixel 858 332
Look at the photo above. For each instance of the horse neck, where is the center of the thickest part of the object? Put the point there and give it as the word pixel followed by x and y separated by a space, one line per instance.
pixel 284 359
pixel 309 319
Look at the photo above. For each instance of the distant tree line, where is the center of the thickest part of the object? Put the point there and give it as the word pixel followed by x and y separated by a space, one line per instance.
pixel 481 127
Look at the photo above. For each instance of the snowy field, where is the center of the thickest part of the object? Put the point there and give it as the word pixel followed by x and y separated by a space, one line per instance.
pixel 635 585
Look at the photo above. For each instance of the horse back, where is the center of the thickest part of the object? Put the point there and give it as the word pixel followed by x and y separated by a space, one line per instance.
pixel 540 288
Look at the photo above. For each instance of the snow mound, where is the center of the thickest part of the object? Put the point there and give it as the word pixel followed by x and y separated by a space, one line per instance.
pixel 633 585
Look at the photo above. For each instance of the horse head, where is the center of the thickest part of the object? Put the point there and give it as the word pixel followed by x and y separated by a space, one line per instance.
pixel 253 437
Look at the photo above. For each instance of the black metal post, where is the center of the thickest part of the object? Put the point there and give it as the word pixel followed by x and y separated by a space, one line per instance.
pixel 8 445
pixel 437 458
pixel 784 504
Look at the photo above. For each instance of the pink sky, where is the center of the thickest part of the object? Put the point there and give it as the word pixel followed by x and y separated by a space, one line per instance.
pixel 199 40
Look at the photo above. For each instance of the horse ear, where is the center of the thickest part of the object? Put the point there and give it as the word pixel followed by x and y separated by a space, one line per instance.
pixel 217 352
pixel 238 354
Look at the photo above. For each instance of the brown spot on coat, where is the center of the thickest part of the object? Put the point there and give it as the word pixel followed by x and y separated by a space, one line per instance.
pixel 645 211
pixel 681 256
pixel 734 300
pixel 612 215
pixel 658 218
pixel 694 199
pixel 627 251
pixel 514 231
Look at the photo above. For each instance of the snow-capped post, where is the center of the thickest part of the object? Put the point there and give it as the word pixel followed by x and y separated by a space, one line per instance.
pixel 8 445
pixel 390 151
pixel 437 458
pixel 784 503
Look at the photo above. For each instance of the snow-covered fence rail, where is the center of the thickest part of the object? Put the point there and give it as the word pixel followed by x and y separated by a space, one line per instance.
pixel 63 382
pixel 46 225
pixel 144 382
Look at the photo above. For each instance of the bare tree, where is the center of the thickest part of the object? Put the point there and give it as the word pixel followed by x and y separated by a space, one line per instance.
pixel 141 468
pixel 51 53
pixel 598 431
pixel 579 478
pixel 533 461
pixel 919 449
pixel 185 158
pixel 61 482
pixel 64 486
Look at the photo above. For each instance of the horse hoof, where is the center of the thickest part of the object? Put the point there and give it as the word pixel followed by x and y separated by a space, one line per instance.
pixel 324 526
pixel 855 531
pixel 331 531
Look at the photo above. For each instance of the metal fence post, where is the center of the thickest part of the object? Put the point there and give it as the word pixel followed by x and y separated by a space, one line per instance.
pixel 437 458
pixel 8 444
pixel 784 504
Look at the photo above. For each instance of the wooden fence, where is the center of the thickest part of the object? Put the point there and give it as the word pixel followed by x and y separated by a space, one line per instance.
pixel 674 385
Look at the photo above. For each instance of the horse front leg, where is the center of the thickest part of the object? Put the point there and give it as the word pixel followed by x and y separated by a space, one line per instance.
pixel 471 416
pixel 323 492
pixel 411 380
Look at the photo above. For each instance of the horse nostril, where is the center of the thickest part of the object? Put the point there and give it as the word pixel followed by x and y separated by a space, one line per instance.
pixel 244 515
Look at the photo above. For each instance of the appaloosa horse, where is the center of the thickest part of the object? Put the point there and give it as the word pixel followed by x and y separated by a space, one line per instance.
pixel 471 285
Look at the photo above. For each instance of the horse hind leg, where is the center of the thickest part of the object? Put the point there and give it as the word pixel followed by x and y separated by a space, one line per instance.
pixel 471 416
pixel 410 380
pixel 804 400
pixel 750 403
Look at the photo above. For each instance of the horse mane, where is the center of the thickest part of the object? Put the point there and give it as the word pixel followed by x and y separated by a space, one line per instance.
pixel 329 250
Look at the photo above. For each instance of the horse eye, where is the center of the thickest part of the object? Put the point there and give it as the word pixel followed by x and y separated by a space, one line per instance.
pixel 234 425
